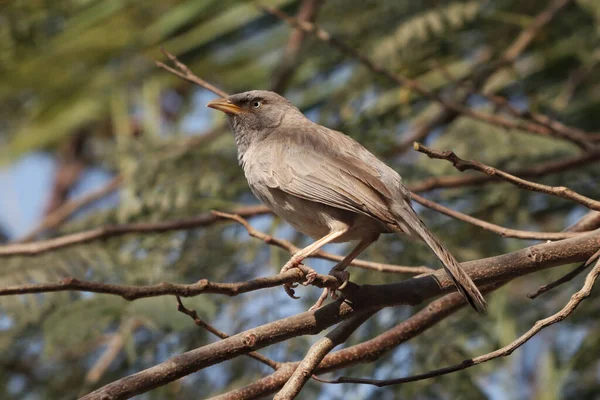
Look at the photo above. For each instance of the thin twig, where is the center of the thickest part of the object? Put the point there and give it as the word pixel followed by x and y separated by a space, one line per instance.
pixel 291 248
pixel 400 80
pixel 491 270
pixel 130 292
pixel 113 348
pixel 500 230
pixel 464 165
pixel 220 334
pixel 61 214
pixel 565 278
pixel 289 60
pixel 538 170
pixel 481 73
pixel 588 222
pixel 109 231
pixel 507 350
pixel 365 352
pixel 184 72
pixel 317 352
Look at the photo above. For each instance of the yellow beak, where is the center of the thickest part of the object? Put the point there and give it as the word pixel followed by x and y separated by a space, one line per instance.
pixel 225 105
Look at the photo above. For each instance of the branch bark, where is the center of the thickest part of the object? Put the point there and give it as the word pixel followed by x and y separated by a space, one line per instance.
pixel 131 293
pixel 464 165
pixel 505 351
pixel 109 231
pixel 580 140
pixel 542 169
pixel 412 291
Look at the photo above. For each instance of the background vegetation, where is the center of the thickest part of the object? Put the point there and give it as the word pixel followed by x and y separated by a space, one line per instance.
pixel 82 103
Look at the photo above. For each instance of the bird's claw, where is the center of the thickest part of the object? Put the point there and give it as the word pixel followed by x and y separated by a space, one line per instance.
pixel 309 274
pixel 289 289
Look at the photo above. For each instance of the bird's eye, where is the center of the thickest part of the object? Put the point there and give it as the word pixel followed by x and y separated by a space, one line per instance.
pixel 256 104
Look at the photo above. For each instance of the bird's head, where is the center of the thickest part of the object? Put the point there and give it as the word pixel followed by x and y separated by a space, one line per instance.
pixel 254 111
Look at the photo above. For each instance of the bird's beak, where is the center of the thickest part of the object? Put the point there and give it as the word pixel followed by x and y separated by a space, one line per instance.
pixel 224 105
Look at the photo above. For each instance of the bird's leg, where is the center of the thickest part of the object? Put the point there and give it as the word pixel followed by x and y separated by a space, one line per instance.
pixel 340 273
pixel 299 256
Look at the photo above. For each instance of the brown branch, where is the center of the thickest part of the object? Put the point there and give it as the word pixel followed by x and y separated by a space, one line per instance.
pixel 481 74
pixel 500 230
pixel 110 231
pixel 400 80
pixel 317 352
pixel 291 248
pixel 365 352
pixel 565 278
pixel 542 169
pixel 588 222
pixel 71 165
pixel 182 71
pixel 113 348
pixel 220 334
pixel 130 292
pixel 65 211
pixel 464 165
pixel 411 291
pixel 507 350
pixel 289 61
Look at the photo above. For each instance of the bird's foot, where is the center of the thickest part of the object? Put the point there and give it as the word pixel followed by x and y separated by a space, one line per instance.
pixel 343 278
pixel 309 274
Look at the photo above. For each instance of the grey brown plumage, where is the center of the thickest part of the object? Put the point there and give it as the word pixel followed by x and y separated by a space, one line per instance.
pixel 322 181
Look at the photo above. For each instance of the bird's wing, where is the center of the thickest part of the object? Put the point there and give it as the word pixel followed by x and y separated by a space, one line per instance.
pixel 323 166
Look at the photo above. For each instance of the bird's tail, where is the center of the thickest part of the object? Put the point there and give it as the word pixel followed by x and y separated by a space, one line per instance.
pixel 409 219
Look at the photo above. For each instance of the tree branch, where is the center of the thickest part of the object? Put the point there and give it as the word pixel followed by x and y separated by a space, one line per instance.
pixel 292 249
pixel 411 291
pixel 129 292
pixel 109 231
pixel 581 141
pixel 500 230
pixel 182 71
pixel 289 61
pixel 222 335
pixel 542 169
pixel 62 213
pixel 463 165
pixel 507 350
pixel 317 352
pixel 365 352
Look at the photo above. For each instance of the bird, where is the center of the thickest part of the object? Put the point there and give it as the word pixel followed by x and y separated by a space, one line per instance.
pixel 325 184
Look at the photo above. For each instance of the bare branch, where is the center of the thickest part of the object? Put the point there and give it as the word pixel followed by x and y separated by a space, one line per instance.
pixel 317 352
pixel 542 169
pixel 129 292
pixel 364 352
pixel 507 350
pixel 411 291
pixel 220 334
pixel 481 75
pixel 565 278
pixel 113 348
pixel 287 245
pixel 289 61
pixel 184 72
pixel 500 230
pixel 43 246
pixel 580 140
pixel 463 165
pixel 61 214
pixel 588 222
